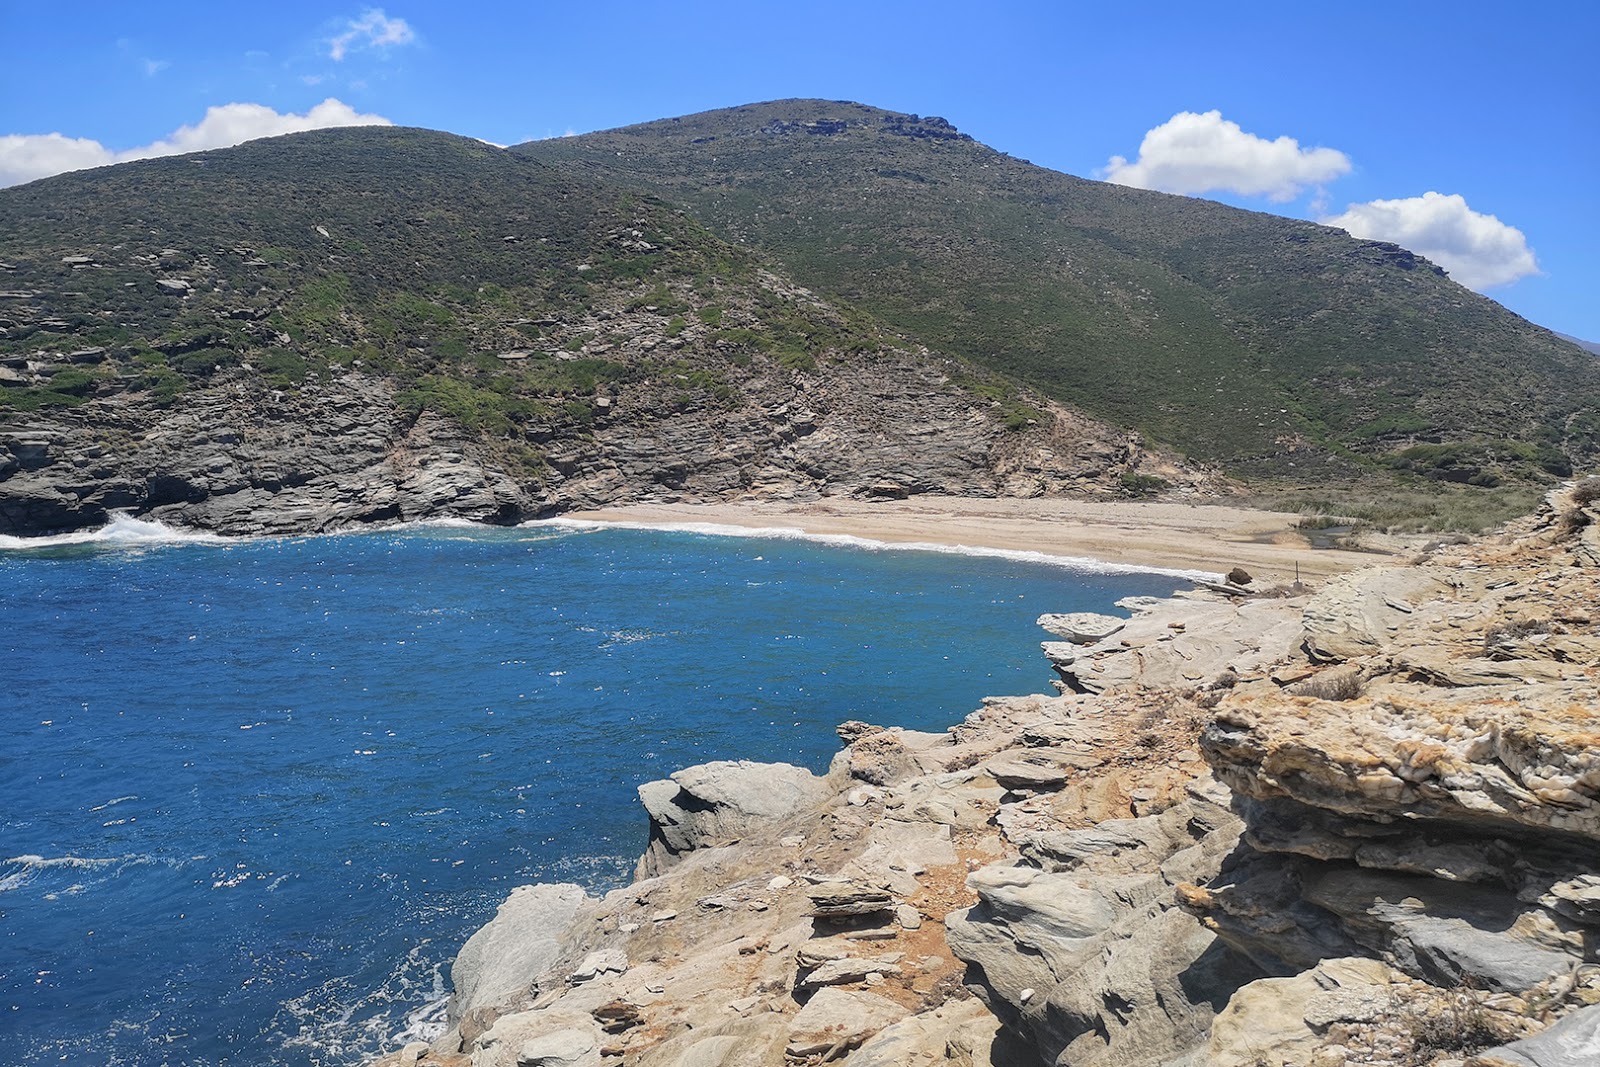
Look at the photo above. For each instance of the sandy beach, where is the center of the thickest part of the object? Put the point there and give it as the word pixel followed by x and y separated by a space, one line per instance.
pixel 1204 537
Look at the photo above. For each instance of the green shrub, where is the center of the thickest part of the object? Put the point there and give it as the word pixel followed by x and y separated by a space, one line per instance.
pixel 795 359
pixel 73 382
pixel 1141 484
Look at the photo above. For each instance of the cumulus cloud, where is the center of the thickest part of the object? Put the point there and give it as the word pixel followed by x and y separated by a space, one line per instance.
pixel 373 29
pixel 1478 250
pixel 1192 153
pixel 24 157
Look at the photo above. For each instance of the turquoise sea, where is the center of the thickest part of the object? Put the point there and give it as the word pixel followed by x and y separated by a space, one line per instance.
pixel 255 793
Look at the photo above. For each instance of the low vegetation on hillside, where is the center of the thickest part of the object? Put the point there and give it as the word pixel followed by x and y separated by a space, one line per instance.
pixel 1286 351
pixel 476 280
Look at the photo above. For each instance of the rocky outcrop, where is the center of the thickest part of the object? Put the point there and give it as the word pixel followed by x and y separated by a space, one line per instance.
pixel 1210 641
pixel 849 917
pixel 1433 802
pixel 501 960
pixel 1369 865
pixel 238 457
pixel 250 461
pixel 680 413
pixel 719 804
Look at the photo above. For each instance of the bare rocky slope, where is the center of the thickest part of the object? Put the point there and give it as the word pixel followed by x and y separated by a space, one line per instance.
pixel 241 455
pixel 1357 825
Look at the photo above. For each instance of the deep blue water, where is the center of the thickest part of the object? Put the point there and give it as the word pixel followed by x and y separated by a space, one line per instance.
pixel 255 794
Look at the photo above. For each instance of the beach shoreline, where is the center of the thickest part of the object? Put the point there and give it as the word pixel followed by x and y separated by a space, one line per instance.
pixel 1141 534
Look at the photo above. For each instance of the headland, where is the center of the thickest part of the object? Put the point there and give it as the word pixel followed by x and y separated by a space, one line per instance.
pixel 1355 822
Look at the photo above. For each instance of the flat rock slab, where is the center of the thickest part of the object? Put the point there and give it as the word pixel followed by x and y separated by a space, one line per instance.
pixel 852 969
pixel 1572 1042
pixel 1082 627
pixel 564 1048
pixel 839 1017
pixel 839 899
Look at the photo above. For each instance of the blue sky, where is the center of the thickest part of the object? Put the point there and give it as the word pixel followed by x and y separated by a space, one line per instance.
pixel 1351 112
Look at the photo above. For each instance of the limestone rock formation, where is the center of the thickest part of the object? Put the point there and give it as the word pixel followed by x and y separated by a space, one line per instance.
pixel 720 803
pixel 1388 854
pixel 506 955
pixel 1438 809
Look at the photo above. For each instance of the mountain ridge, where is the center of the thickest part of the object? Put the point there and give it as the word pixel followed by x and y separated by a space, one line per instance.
pixel 1352 357
pixel 450 329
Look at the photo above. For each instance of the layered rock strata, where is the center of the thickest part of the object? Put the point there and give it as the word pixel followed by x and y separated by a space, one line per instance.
pixel 1354 826
pixel 780 916
pixel 1430 800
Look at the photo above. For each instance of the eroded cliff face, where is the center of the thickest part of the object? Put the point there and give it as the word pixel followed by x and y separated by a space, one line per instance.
pixel 1431 800
pixel 685 415
pixel 1351 826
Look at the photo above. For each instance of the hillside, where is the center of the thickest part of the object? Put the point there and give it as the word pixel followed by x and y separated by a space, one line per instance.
pixel 377 323
pixel 1285 350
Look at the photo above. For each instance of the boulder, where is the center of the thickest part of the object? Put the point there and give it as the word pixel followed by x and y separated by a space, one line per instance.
pixel 501 960
pixel 598 964
pixel 837 1019
pixel 720 803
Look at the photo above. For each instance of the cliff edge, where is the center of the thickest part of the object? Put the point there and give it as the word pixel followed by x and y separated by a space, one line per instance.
pixel 1256 828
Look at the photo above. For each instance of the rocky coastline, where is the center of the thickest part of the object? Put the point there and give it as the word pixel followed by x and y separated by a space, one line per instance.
pixel 240 455
pixel 1255 827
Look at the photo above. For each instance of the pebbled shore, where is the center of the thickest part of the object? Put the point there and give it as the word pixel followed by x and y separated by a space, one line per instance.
pixel 1347 825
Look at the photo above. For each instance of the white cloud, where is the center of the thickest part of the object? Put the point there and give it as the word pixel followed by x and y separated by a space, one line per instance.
pixel 373 29
pixel 1478 250
pixel 152 67
pixel 24 157
pixel 1191 153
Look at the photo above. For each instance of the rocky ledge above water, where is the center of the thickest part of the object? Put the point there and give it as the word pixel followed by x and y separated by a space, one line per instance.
pixel 1351 826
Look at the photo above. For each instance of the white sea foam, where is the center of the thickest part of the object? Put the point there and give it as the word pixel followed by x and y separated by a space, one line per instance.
pixel 339 1020
pixel 1082 564
pixel 122 531
pixel 18 871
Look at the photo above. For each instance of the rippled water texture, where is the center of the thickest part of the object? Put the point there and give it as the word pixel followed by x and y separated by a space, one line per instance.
pixel 254 795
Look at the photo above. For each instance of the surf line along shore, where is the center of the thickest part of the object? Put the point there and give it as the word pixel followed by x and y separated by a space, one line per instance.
pixel 1163 535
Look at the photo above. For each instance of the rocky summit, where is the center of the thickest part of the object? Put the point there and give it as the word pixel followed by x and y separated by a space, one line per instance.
pixel 1353 825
